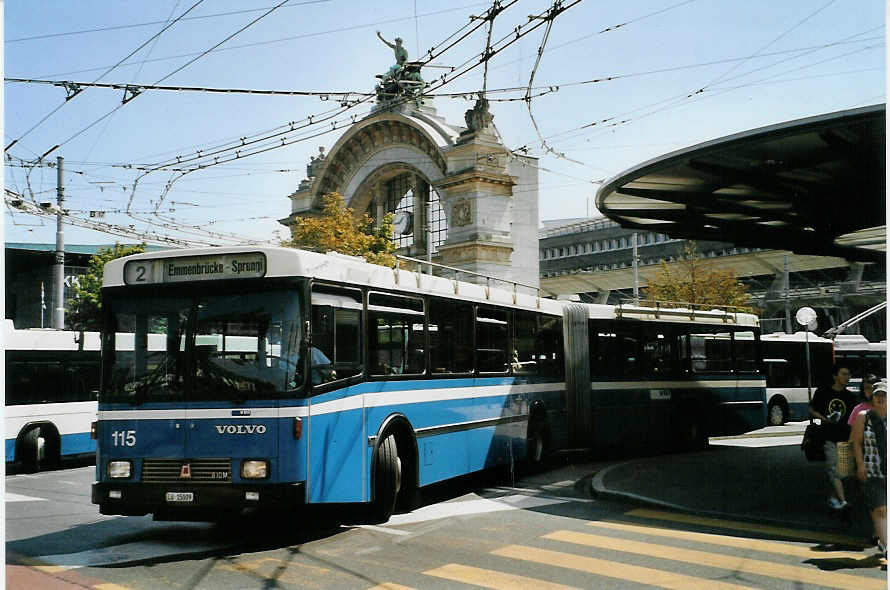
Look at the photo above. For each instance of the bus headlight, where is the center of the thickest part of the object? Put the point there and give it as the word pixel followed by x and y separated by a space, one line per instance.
pixel 119 469
pixel 253 469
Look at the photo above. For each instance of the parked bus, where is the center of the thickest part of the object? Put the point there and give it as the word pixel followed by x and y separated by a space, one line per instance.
pixel 291 377
pixel 861 356
pixel 52 384
pixel 785 365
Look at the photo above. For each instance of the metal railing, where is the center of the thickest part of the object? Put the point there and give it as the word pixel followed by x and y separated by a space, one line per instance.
pixel 420 264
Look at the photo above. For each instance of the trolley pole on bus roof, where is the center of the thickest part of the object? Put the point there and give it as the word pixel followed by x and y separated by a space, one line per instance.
pixel 59 266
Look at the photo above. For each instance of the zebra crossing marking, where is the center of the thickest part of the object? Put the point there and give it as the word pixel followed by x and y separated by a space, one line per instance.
pixel 798 534
pixel 735 542
pixel 722 561
pixel 611 569
pixel 492 579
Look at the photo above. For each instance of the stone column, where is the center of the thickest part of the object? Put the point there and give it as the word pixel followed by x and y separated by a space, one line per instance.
pixel 476 196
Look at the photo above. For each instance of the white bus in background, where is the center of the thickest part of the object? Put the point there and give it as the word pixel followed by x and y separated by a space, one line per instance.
pixel 785 366
pixel 861 356
pixel 52 386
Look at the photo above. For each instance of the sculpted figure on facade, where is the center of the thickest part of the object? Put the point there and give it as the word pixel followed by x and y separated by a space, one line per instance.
pixel 402 78
pixel 478 117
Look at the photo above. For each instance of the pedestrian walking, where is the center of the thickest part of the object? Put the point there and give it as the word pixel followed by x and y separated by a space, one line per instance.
pixel 870 449
pixel 864 404
pixel 832 405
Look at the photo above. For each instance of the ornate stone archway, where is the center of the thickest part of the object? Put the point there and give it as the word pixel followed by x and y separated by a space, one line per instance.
pixel 453 188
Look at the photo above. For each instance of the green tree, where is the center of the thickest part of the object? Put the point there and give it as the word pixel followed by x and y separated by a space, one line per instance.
pixel 696 280
pixel 85 311
pixel 339 229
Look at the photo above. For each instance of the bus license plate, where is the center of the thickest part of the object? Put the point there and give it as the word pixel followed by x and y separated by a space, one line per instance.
pixel 180 497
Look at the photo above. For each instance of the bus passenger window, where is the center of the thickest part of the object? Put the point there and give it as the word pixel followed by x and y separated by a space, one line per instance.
pixel 710 352
pixel 451 336
pixel 657 353
pixel 744 351
pixel 525 334
pixel 492 340
pixel 395 335
pixel 336 334
pixel 550 347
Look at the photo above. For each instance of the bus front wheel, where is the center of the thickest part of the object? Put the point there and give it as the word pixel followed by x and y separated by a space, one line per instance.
pixel 387 480
pixel 40 449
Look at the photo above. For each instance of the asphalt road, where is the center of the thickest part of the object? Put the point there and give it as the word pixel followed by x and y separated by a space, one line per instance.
pixel 543 531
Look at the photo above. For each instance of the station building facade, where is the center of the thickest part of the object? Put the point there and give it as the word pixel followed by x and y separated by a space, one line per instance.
pixel 593 258
pixel 459 197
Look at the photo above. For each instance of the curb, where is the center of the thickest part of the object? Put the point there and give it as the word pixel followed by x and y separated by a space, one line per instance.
pixel 599 489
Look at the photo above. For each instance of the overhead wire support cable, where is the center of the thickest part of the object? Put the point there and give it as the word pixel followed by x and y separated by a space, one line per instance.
pixel 756 53
pixel 73 90
pixel 490 15
pixel 555 11
pixel 202 162
pixel 137 88
pixel 177 70
pixel 148 24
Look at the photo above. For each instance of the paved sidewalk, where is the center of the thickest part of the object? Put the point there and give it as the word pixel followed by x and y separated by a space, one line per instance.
pixel 773 485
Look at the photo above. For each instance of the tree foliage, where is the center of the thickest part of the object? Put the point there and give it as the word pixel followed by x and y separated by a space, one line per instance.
pixel 696 280
pixel 339 229
pixel 85 311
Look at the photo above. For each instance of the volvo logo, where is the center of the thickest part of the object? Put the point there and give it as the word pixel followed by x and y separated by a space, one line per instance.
pixel 240 428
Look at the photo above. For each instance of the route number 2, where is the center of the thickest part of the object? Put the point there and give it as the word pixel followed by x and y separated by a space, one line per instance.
pixel 124 438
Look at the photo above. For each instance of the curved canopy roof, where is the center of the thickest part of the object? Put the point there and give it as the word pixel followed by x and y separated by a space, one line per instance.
pixel 812 186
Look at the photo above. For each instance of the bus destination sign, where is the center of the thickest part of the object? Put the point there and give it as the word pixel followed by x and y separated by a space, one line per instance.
pixel 195 268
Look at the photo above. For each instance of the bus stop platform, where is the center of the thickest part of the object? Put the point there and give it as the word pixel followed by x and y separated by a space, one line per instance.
pixel 760 477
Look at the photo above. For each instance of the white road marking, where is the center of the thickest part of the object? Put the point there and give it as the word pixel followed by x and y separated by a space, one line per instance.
pixel 379 529
pixel 470 507
pixel 10 497
pixel 758 441
pixel 129 552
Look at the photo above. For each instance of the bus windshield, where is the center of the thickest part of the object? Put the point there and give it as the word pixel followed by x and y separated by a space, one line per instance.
pixel 212 347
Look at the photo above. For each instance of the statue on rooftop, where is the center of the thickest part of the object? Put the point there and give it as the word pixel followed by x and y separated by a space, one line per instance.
pixel 479 117
pixel 403 78
pixel 400 52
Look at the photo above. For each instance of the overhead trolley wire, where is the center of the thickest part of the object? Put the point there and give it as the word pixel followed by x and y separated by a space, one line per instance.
pixel 176 71
pixel 148 24
pixel 784 33
pixel 74 90
pixel 281 40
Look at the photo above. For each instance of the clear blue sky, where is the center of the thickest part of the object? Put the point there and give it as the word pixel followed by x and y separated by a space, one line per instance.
pixel 756 63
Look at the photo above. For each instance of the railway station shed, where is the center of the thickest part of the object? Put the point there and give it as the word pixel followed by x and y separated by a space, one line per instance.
pixel 812 186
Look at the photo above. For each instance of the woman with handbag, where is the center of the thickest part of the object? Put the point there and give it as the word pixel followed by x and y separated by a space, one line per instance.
pixel 870 449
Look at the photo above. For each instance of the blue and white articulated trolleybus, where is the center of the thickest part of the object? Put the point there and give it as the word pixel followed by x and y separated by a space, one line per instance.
pixel 52 384
pixel 267 378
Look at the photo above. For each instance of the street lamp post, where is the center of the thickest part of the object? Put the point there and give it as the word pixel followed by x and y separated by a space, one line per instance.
pixel 806 317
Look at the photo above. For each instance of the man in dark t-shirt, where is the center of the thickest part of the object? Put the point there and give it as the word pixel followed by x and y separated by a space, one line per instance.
pixel 832 405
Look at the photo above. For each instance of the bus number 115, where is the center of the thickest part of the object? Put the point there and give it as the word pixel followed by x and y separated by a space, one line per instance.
pixel 124 438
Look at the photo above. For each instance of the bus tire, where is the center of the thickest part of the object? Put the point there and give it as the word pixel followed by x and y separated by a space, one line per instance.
pixel 387 480
pixel 776 413
pixel 40 449
pixel 691 431
pixel 537 445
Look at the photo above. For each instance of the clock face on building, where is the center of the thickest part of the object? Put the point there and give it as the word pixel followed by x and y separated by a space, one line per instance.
pixel 403 224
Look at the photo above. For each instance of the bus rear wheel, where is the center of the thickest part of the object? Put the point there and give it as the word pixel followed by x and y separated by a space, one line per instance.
pixel 536 445
pixel 776 413
pixel 691 432
pixel 40 449
pixel 387 480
